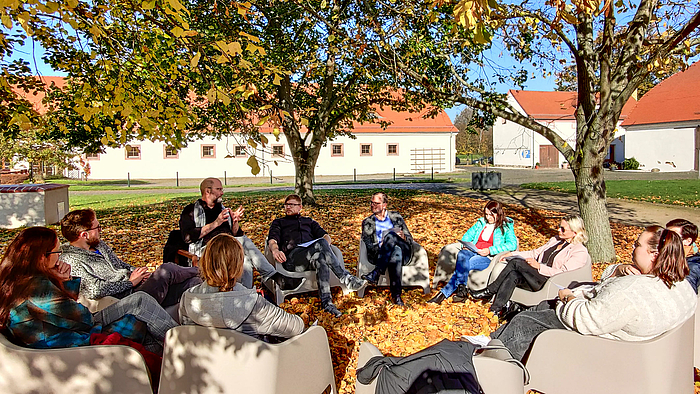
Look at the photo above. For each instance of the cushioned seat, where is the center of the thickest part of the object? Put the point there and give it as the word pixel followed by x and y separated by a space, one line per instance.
pixel 415 273
pixel 550 289
pixel 209 360
pixel 447 261
pixel 86 369
pixel 310 283
pixel 566 362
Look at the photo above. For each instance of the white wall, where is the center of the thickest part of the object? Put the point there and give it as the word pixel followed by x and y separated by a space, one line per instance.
pixel 661 146
pixel 113 163
pixel 513 144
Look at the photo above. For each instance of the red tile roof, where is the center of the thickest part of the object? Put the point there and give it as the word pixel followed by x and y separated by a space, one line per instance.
pixel 554 105
pixel 401 122
pixel 36 97
pixel 675 99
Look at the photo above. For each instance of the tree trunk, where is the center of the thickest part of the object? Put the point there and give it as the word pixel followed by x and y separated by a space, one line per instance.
pixel 590 189
pixel 304 180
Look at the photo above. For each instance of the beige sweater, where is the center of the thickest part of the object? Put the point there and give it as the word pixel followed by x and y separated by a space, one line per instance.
pixel 629 308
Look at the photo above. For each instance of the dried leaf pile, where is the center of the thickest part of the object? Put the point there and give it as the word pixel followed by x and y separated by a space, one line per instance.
pixel 138 235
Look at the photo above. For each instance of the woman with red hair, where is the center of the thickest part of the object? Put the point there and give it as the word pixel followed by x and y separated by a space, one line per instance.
pixel 39 307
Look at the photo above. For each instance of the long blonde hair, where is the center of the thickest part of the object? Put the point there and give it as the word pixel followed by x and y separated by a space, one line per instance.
pixel 221 264
pixel 576 225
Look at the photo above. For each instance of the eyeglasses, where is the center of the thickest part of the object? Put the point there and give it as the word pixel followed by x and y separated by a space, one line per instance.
pixel 99 228
pixel 562 229
pixel 291 204
pixel 376 203
pixel 55 252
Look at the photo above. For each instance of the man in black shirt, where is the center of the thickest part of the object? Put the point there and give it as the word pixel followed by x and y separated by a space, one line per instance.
pixel 207 217
pixel 300 244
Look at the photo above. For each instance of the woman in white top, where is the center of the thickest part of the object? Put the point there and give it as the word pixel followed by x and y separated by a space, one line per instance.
pixel 627 308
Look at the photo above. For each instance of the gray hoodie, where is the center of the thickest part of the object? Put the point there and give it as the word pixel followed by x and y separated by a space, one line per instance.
pixel 240 309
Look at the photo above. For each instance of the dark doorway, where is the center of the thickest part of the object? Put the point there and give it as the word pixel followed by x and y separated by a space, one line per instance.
pixel 549 156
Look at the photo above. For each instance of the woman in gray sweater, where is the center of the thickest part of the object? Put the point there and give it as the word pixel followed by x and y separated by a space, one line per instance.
pixel 627 308
pixel 221 302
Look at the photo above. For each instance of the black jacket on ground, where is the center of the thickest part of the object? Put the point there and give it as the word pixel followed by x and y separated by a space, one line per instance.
pixel 444 367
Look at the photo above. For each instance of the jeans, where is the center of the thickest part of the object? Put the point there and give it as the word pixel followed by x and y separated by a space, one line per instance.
pixel 145 309
pixel 518 273
pixel 253 258
pixel 393 254
pixel 521 331
pixel 466 261
pixel 319 257
pixel 167 283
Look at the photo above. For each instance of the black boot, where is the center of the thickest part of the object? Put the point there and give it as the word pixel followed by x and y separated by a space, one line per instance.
pixel 483 294
pixel 372 278
pixel 286 282
pixel 461 294
pixel 439 298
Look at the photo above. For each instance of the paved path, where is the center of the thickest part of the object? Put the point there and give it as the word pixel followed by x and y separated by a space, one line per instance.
pixel 623 211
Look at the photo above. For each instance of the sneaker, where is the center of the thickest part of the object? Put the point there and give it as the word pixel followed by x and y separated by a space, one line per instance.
pixel 332 309
pixel 354 283
pixel 397 300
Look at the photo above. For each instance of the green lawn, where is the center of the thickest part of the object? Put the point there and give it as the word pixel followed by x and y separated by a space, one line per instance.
pixel 119 200
pixel 684 192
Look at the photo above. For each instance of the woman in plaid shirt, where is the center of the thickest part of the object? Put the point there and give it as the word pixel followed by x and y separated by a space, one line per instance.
pixel 39 307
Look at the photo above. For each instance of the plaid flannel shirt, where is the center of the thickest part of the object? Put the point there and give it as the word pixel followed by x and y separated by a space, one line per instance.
pixel 51 318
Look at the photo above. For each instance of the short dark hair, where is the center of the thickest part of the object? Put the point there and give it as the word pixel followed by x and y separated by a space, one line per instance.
pixel 688 229
pixel 385 198
pixel 294 197
pixel 75 222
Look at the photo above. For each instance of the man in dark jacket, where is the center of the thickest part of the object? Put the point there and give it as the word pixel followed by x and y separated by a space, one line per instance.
pixel 300 244
pixel 388 244
pixel 207 217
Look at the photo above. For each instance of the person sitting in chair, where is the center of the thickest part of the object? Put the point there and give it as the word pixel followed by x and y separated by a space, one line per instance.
pixel 388 244
pixel 104 274
pixel 531 269
pixel 222 302
pixel 207 217
pixel 626 308
pixel 491 234
pixel 301 244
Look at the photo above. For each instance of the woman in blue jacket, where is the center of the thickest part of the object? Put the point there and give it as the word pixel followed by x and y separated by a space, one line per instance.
pixel 492 234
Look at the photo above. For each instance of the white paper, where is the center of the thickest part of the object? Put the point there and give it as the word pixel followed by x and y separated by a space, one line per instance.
pixel 478 340
pixel 305 244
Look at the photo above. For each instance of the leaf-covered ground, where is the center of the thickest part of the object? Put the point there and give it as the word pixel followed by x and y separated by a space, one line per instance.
pixel 138 233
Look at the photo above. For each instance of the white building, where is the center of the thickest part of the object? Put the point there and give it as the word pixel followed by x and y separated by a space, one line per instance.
pixel 515 145
pixel 410 144
pixel 663 130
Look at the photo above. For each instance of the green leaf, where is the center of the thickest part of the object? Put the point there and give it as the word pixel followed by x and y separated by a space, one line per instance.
pixel 253 164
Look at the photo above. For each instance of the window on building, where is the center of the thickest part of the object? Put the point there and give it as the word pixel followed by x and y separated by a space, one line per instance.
pixel 239 151
pixel 337 150
pixel 208 151
pixel 392 149
pixel 92 156
pixel 133 152
pixel 171 153
pixel 365 149
pixel 278 150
